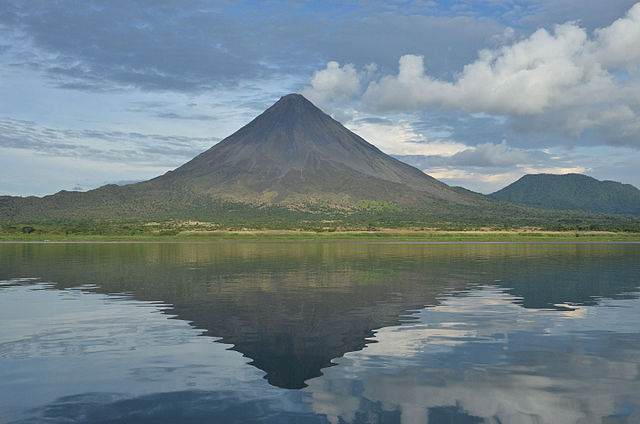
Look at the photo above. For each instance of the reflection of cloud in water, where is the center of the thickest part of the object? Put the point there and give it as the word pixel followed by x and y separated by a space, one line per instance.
pixel 92 354
pixel 487 356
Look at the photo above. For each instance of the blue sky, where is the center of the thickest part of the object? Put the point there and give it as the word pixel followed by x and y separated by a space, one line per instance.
pixel 476 93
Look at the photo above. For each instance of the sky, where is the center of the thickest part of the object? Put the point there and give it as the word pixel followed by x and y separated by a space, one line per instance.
pixel 475 93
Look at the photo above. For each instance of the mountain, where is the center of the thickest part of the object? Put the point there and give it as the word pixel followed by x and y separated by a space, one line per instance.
pixel 294 152
pixel 572 192
pixel 292 155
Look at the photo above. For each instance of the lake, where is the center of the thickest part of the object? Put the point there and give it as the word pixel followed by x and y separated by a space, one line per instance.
pixel 319 333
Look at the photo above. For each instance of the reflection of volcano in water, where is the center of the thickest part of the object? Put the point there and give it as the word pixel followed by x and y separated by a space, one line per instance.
pixel 294 308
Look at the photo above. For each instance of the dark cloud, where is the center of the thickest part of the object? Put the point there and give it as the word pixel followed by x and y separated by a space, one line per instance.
pixel 163 45
pixel 533 14
pixel 590 13
pixel 447 43
pixel 589 125
pixel 198 45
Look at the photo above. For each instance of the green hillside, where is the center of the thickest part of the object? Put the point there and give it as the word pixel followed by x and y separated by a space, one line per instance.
pixel 572 192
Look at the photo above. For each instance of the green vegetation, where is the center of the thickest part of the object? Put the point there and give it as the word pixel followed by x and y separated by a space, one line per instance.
pixel 224 221
pixel 444 237
pixel 572 192
pixel 376 206
pixel 200 218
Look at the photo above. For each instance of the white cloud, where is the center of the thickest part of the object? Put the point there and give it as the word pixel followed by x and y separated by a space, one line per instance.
pixel 400 138
pixel 480 181
pixel 342 115
pixel 619 43
pixel 544 70
pixel 582 81
pixel 491 154
pixel 335 82
pixel 555 170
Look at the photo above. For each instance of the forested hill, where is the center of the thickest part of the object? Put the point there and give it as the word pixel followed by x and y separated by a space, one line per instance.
pixel 572 192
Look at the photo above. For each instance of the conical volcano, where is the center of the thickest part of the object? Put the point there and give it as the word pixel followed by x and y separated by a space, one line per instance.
pixel 294 153
pixel 293 156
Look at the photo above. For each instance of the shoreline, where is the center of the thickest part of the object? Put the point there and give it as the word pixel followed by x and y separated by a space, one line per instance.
pixel 399 236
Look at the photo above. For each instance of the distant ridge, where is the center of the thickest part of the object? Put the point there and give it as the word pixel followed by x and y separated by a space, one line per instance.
pixel 572 192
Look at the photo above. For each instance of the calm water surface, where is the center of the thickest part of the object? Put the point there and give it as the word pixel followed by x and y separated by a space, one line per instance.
pixel 319 333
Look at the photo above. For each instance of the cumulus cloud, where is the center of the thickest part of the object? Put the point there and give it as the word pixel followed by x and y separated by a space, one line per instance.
pixel 335 82
pixel 524 78
pixel 619 43
pixel 564 72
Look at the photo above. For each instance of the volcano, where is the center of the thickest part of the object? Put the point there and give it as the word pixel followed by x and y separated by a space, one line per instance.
pixel 292 156
pixel 295 153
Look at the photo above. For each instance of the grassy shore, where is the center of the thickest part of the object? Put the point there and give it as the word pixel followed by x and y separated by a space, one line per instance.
pixel 345 236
